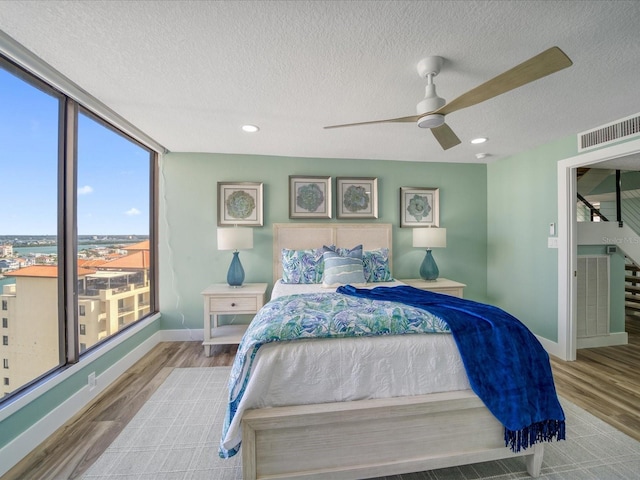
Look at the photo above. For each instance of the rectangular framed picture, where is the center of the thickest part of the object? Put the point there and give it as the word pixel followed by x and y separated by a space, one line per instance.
pixel 309 197
pixel 356 197
pixel 240 203
pixel 419 207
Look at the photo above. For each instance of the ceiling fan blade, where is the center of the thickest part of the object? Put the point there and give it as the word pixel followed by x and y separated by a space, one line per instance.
pixel 413 118
pixel 445 136
pixel 543 64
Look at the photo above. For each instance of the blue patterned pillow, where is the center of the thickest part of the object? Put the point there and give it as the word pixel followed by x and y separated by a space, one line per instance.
pixel 339 270
pixel 355 252
pixel 376 265
pixel 302 266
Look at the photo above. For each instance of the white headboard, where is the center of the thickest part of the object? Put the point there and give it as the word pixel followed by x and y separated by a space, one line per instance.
pixel 300 236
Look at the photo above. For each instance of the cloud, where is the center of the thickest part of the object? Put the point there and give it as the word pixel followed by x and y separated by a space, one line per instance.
pixel 132 211
pixel 85 190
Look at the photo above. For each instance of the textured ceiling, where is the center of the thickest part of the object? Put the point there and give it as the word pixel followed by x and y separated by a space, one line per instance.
pixel 190 73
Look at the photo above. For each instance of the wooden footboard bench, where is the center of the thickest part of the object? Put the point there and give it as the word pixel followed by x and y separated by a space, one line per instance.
pixel 371 438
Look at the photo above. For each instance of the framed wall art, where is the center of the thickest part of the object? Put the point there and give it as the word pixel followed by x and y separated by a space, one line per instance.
pixel 419 207
pixel 309 197
pixel 240 203
pixel 357 197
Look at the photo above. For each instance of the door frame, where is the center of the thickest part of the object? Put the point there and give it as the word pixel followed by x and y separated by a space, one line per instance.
pixel 567 241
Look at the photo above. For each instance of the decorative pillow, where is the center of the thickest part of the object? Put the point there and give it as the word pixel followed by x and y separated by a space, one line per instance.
pixel 302 266
pixel 376 265
pixel 355 252
pixel 339 270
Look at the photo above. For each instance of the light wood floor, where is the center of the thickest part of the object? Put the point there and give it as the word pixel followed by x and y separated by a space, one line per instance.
pixel 603 381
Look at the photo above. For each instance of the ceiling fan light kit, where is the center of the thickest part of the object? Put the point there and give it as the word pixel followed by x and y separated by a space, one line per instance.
pixel 432 109
pixel 432 120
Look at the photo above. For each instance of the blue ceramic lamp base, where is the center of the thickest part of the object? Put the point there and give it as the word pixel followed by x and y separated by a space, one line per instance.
pixel 428 269
pixel 235 275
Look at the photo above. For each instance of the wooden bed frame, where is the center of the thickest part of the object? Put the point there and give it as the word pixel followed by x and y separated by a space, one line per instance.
pixel 368 438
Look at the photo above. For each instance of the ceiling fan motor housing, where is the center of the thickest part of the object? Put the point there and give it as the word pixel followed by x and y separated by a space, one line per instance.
pixel 431 102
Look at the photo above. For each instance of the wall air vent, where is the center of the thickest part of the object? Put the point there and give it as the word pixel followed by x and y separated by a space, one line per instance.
pixel 609 133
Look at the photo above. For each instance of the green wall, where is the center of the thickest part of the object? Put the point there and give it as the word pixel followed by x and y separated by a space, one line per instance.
pixel 189 260
pixel 522 200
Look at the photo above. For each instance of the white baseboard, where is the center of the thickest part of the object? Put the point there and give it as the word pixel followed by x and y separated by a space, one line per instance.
pixel 22 445
pixel 552 348
pixel 182 335
pixel 613 339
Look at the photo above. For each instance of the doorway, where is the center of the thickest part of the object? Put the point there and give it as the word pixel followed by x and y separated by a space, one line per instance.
pixel 567 238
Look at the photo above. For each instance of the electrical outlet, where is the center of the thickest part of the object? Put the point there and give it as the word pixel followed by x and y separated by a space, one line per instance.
pixel 91 380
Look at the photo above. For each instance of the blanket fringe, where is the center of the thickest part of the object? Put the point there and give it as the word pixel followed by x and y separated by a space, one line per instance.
pixel 544 431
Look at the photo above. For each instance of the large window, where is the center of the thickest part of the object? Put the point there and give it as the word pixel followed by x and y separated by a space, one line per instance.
pixel 77 231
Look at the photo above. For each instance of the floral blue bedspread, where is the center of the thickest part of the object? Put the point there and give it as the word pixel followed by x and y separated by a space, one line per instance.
pixel 319 315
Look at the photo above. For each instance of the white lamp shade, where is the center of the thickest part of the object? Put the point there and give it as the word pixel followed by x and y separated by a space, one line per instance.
pixel 236 238
pixel 430 237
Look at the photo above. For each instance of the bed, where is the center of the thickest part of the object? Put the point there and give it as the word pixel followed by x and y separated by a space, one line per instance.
pixel 402 428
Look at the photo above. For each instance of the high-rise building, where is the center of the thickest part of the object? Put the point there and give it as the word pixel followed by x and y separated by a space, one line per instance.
pixel 111 295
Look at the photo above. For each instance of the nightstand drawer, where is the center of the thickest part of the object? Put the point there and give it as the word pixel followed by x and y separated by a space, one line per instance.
pixel 233 304
pixel 440 285
pixel 456 292
pixel 221 299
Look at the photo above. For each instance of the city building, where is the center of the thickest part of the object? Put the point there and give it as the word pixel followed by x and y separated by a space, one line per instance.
pixel 111 295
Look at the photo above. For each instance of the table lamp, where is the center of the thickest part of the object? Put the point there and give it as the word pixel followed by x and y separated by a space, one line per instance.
pixel 429 238
pixel 236 238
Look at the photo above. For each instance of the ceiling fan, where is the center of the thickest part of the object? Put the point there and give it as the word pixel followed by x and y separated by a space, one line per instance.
pixel 432 109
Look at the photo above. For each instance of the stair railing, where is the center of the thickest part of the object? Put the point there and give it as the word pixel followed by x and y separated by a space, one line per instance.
pixel 593 211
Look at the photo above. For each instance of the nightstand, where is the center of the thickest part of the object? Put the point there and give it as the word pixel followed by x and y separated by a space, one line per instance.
pixel 221 299
pixel 439 285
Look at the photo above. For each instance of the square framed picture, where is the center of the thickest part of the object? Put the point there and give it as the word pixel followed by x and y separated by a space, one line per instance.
pixel 240 203
pixel 356 197
pixel 309 197
pixel 419 207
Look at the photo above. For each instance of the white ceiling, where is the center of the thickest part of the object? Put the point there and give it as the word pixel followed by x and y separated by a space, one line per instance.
pixel 190 73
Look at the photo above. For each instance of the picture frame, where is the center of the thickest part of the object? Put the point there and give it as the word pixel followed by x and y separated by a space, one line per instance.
pixel 419 207
pixel 356 197
pixel 309 197
pixel 240 203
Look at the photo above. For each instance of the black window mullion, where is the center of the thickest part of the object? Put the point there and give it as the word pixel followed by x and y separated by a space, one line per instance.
pixel 67 235
pixel 153 274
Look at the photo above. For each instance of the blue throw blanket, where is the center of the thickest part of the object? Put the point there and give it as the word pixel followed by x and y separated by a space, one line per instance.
pixel 507 366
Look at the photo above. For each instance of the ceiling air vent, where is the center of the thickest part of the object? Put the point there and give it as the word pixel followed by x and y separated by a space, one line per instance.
pixel 609 133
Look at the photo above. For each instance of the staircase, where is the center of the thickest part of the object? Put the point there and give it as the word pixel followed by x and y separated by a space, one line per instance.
pixel 632 288
pixel 601 216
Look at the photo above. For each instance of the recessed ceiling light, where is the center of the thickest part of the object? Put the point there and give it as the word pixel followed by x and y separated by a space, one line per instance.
pixel 250 128
pixel 479 140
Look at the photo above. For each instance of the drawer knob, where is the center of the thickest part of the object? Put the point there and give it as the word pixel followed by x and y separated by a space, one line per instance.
pixel 233 304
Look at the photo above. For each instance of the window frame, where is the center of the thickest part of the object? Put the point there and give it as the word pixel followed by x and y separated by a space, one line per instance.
pixel 72 101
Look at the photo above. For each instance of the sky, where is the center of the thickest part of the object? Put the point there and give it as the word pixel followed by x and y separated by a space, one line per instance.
pixel 113 172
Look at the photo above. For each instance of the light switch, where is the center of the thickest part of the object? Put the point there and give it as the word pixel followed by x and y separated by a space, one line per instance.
pixel 552 242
